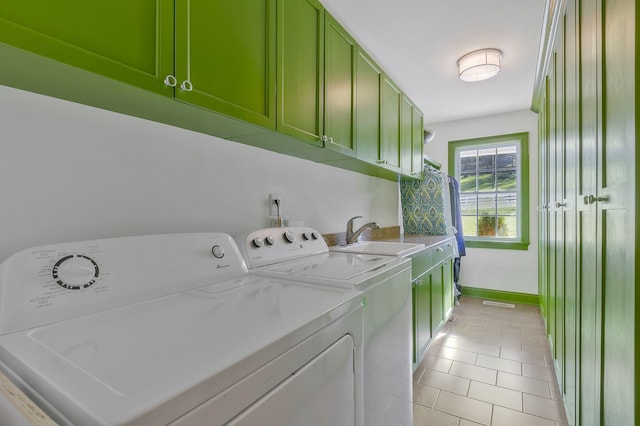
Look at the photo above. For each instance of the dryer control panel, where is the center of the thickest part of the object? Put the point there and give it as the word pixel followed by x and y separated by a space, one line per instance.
pixel 51 283
pixel 271 245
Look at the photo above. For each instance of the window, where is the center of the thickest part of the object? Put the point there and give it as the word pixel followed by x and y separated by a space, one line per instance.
pixel 493 174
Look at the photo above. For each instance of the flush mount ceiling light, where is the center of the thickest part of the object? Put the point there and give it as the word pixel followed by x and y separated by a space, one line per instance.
pixel 479 65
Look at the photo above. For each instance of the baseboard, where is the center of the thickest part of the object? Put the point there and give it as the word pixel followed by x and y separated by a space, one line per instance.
pixel 504 296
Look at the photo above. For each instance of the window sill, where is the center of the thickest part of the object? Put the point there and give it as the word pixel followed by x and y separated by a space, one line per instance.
pixel 500 245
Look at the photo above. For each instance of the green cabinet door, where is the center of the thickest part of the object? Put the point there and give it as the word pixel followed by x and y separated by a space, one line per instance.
pixel 130 41
pixel 339 77
pixel 300 68
pixel 417 141
pixel 437 284
pixel 225 57
pixel 406 135
pixel 368 81
pixel 447 287
pixel 390 124
pixel 422 316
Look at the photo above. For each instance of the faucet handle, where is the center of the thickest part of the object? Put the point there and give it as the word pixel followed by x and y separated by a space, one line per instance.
pixel 350 223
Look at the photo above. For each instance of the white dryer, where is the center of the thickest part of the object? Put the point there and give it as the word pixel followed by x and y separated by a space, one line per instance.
pixel 301 254
pixel 171 329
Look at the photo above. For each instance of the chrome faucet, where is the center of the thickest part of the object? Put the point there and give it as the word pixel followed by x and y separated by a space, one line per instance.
pixel 352 236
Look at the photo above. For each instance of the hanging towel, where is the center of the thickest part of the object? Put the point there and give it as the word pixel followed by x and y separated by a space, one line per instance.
pixel 454 191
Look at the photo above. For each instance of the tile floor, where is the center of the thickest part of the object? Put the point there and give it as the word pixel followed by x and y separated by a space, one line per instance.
pixel 490 365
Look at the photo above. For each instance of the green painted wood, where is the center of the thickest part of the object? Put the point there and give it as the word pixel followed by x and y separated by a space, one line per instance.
pixel 559 201
pixel 406 135
pixel 422 316
pixel 226 50
pixel 339 87
pixel 501 296
pixel 590 285
pixel 390 124
pixel 417 142
pixel 571 134
pixel 437 292
pixel 616 213
pixel 368 83
pixel 300 57
pixel 131 42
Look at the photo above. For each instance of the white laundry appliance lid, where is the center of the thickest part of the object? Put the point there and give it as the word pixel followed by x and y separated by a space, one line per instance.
pixel 149 360
pixel 342 269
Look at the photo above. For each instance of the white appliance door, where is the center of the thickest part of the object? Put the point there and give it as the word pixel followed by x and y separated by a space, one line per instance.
pixel 321 393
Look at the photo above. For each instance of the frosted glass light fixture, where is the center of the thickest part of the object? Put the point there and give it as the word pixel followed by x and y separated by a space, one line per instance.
pixel 479 65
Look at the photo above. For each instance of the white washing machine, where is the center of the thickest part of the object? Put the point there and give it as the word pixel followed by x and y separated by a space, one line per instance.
pixel 385 284
pixel 171 329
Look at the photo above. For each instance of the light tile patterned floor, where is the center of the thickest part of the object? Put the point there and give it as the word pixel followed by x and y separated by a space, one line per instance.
pixel 489 366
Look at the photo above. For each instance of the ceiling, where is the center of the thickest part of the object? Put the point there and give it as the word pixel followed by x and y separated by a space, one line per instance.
pixel 418 42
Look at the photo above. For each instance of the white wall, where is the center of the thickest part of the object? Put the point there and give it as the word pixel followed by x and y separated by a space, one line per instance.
pixel 505 270
pixel 69 172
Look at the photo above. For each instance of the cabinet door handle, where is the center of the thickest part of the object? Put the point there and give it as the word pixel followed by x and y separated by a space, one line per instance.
pixel 186 86
pixel 559 204
pixel 439 249
pixel 590 199
pixel 170 81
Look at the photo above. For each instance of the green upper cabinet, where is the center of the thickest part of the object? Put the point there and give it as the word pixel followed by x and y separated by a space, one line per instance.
pixel 417 141
pixel 225 57
pixel 390 124
pixel 368 82
pixel 406 135
pixel 128 41
pixel 340 52
pixel 300 56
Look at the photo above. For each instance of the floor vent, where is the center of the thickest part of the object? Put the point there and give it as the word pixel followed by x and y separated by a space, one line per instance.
pixel 500 304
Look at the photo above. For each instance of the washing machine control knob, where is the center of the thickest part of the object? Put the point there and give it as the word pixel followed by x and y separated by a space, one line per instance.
pixel 257 242
pixel 307 235
pixel 289 236
pixel 269 240
pixel 315 235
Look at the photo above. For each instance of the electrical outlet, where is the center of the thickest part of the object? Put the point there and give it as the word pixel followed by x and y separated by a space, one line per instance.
pixel 273 208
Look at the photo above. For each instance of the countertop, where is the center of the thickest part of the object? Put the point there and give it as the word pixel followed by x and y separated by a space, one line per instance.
pixel 391 234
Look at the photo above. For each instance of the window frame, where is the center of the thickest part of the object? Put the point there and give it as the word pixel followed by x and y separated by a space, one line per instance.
pixel 522 139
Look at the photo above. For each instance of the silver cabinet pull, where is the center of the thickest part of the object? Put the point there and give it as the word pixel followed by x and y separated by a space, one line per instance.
pixel 170 81
pixel 590 199
pixel 186 86
pixel 559 204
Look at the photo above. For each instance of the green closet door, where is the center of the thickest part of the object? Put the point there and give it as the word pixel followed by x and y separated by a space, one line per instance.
pixel 300 67
pixel 368 80
pixel 339 78
pixel 437 293
pixel 225 53
pixel 130 41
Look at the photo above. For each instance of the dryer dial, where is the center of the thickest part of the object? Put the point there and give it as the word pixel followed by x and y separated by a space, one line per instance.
pixel 75 272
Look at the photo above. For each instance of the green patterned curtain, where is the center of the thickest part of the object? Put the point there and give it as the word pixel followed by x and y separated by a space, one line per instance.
pixel 422 205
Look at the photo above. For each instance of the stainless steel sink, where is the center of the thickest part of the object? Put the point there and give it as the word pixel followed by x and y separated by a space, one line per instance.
pixel 380 247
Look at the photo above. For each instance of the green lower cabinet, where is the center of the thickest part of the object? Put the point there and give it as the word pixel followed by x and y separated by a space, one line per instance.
pixel 421 317
pixel 128 41
pixel 225 57
pixel 300 57
pixel 437 293
pixel 447 288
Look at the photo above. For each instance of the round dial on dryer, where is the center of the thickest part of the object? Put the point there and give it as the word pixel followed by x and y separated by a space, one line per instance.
pixel 75 272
